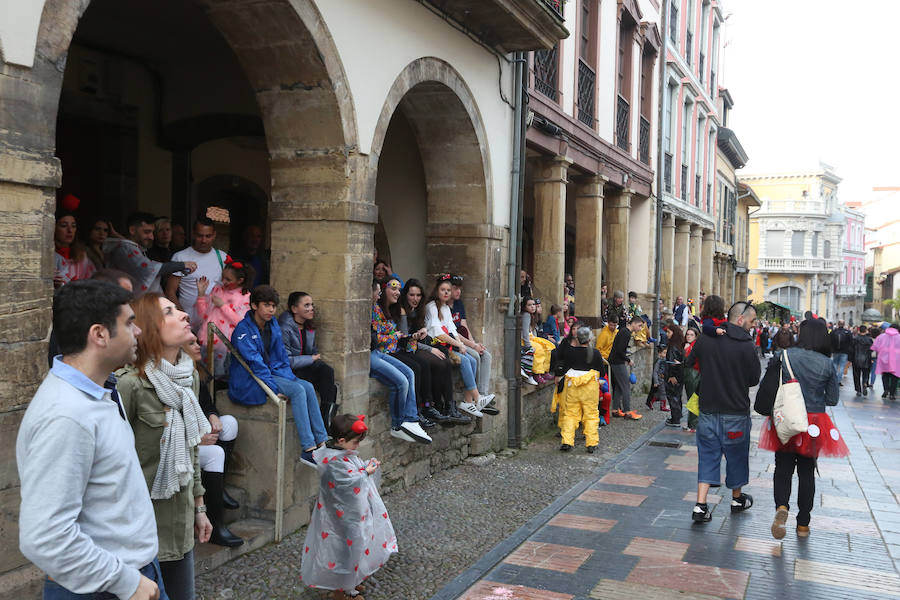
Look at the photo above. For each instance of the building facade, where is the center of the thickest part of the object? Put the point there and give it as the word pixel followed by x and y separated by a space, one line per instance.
pixel 796 240
pixel 882 244
pixel 273 113
pixel 589 206
pixel 692 118
pixel 850 288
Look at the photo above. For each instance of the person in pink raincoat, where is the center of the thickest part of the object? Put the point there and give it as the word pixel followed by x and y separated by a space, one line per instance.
pixel 887 346
pixel 225 306
pixel 350 535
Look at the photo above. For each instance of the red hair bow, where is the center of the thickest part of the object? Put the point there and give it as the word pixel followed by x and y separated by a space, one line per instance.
pixel 233 263
pixel 359 426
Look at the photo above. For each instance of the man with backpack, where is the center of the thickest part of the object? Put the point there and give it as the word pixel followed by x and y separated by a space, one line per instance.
pixel 841 347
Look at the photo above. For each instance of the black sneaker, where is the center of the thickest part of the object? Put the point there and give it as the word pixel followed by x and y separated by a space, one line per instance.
pixel 431 413
pixel 741 503
pixel 590 449
pixel 306 457
pixel 425 422
pixel 565 448
pixel 671 423
pixel 701 513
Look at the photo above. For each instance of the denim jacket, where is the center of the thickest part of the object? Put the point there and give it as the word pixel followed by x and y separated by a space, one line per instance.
pixel 815 372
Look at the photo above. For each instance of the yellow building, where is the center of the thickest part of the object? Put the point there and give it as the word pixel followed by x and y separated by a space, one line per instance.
pixel 796 240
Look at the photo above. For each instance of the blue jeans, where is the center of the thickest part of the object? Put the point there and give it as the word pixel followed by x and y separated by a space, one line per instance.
pixel 839 359
pixel 719 434
pixel 54 591
pixel 305 406
pixel 468 365
pixel 402 385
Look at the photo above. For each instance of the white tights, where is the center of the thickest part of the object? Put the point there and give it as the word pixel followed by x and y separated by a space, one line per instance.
pixel 212 457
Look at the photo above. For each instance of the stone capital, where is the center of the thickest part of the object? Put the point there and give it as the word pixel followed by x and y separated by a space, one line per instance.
pixel 668 221
pixel 708 235
pixel 553 170
pixel 696 230
pixel 682 226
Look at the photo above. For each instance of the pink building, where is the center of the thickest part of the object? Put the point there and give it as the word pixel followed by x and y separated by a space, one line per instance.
pixel 850 288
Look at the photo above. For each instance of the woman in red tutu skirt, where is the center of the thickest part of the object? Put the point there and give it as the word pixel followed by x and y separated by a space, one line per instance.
pixel 812 367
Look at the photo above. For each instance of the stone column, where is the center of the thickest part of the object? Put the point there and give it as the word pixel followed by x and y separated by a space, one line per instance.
pixel 550 227
pixel 589 248
pixel 695 264
pixel 668 260
pixel 681 254
pixel 619 211
pixel 707 247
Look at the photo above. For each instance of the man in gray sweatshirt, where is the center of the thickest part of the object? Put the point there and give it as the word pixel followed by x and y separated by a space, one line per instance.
pixel 86 518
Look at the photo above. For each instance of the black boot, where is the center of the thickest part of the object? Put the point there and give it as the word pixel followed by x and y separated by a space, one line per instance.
pixel 329 410
pixel 227 501
pixel 221 535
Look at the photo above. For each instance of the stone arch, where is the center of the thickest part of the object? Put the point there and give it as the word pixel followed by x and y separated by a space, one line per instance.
pixel 451 137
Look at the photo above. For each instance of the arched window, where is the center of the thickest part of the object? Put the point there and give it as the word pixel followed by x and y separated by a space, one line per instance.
pixel 787 295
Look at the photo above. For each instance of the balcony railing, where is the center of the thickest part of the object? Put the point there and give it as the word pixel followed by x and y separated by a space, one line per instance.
pixel 556 6
pixel 712 84
pixel 697 190
pixel 850 290
pixel 586 84
pixel 700 66
pixel 689 47
pixel 684 182
pixel 668 161
pixel 545 72
pixel 791 265
pixel 644 142
pixel 622 121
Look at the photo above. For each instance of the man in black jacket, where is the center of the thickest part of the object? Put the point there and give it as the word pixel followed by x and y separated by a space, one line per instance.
pixel 841 347
pixel 862 361
pixel 621 375
pixel 730 368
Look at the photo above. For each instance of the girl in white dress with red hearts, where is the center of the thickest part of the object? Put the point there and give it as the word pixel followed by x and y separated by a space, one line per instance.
pixel 225 306
pixel 350 535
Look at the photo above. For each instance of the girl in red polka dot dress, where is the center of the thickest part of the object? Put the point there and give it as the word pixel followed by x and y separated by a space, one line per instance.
pixel 811 366
pixel 350 535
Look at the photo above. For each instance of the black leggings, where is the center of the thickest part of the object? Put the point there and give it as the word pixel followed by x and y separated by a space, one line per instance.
pixel 889 381
pixel 673 393
pixel 806 490
pixel 423 377
pixel 439 370
pixel 860 379
pixel 321 375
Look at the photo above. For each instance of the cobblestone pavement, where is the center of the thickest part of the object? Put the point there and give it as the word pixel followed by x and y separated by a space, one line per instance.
pixel 629 535
pixel 444 524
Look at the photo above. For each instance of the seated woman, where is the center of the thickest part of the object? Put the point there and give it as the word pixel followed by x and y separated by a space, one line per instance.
pixel 299 339
pixel 397 376
pixel 412 319
pixel 98 231
pixel 551 328
pixel 439 325
pixel 473 348
pixel 225 306
pixel 535 349
pixel 70 261
pixel 213 453
pixel 389 303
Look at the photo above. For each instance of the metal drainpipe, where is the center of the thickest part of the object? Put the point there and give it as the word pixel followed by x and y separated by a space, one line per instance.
pixel 660 159
pixel 510 321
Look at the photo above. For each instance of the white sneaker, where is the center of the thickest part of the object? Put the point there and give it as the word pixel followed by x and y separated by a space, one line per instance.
pixel 415 431
pixel 402 435
pixel 484 400
pixel 470 408
pixel 530 381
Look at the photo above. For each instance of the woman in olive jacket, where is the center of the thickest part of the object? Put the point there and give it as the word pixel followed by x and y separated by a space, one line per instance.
pixel 159 396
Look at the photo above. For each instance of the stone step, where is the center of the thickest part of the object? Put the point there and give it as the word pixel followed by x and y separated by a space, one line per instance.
pixel 256 533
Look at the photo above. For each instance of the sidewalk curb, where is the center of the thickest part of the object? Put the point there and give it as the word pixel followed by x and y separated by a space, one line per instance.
pixel 493 557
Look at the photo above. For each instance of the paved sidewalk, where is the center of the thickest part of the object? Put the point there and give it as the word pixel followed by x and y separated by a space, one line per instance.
pixel 628 534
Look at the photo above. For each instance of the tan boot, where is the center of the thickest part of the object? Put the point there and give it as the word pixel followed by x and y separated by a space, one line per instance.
pixel 781 515
pixel 803 531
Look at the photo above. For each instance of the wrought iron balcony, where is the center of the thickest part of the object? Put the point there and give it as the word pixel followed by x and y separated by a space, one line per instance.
pixel 545 72
pixel 684 182
pixel 586 84
pixel 700 66
pixel 668 161
pixel 712 85
pixel 673 23
pixel 688 47
pixel 709 199
pixel 510 25
pixel 622 124
pixel 644 142
pixel 697 190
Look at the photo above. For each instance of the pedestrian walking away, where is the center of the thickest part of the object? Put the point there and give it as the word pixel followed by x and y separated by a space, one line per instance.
pixel 620 365
pixel 730 368
pixel 807 363
pixel 86 519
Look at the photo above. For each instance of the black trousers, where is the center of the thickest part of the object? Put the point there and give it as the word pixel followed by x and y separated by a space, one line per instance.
pixel 806 490
pixel 889 381
pixel 441 377
pixel 673 393
pixel 321 376
pixel 423 377
pixel 860 378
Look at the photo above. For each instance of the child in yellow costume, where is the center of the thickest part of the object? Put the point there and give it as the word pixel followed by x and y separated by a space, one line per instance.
pixel 577 396
pixel 542 349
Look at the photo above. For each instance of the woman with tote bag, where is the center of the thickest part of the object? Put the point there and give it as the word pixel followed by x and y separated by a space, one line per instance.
pixel 809 364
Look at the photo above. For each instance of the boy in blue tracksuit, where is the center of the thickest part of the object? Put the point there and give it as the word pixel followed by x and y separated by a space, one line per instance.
pixel 258 340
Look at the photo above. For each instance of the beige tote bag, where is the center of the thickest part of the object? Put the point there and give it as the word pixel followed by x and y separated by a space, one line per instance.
pixel 789 411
